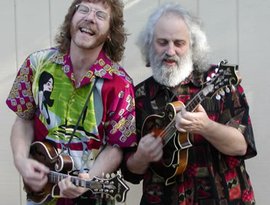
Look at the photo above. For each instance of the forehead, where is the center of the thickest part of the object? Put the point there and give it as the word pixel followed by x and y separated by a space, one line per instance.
pixel 171 26
pixel 98 5
pixel 104 3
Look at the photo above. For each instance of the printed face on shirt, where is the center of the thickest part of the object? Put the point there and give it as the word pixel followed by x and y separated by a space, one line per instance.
pixel 48 86
pixel 171 56
pixel 90 25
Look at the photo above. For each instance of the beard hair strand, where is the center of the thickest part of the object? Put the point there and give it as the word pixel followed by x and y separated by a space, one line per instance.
pixel 173 75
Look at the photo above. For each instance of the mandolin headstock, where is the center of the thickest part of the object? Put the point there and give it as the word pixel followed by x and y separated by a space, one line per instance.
pixel 113 186
pixel 222 80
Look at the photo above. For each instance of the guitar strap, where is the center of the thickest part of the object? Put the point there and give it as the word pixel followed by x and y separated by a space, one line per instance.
pixel 80 117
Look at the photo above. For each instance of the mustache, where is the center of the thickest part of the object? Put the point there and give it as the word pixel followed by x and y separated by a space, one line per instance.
pixel 175 58
pixel 87 25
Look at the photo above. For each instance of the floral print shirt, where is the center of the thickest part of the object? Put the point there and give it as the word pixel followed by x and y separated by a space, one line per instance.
pixel 45 91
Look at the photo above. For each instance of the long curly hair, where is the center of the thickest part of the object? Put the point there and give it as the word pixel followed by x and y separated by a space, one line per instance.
pixel 113 47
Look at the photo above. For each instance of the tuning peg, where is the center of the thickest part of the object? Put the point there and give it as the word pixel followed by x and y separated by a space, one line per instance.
pixel 222 92
pixel 224 61
pixel 102 195
pixel 218 97
pixel 227 89
pixel 208 79
pixel 233 88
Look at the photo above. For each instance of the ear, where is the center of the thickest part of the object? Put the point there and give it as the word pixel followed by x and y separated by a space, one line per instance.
pixel 109 38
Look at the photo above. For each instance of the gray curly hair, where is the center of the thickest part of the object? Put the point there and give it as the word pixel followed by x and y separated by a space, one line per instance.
pixel 198 40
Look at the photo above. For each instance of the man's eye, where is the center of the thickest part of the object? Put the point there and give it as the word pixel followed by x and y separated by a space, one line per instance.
pixel 163 43
pixel 179 43
pixel 101 15
pixel 83 9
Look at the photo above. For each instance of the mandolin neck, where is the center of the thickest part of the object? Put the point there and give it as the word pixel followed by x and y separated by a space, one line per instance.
pixel 55 177
pixel 170 129
pixel 196 100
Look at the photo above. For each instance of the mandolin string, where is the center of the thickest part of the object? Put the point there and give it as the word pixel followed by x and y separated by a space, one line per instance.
pixel 167 133
pixel 83 110
pixel 55 177
pixel 78 121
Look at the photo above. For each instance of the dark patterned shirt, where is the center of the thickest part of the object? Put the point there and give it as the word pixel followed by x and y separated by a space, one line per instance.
pixel 210 177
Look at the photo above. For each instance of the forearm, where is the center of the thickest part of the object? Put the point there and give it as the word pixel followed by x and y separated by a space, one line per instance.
pixel 136 165
pixel 22 134
pixel 150 149
pixel 107 161
pixel 226 139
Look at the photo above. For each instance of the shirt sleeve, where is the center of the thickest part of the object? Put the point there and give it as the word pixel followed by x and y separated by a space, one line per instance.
pixel 232 109
pixel 237 109
pixel 20 99
pixel 119 124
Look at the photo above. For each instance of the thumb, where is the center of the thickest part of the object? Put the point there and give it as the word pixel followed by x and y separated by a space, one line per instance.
pixel 83 175
pixel 199 108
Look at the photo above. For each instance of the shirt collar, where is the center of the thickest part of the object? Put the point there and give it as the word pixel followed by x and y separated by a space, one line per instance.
pixel 103 67
pixel 194 79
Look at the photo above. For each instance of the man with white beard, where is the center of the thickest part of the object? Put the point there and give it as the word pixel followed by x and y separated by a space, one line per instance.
pixel 192 145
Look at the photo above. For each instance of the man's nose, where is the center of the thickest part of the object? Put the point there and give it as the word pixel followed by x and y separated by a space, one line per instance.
pixel 91 15
pixel 170 50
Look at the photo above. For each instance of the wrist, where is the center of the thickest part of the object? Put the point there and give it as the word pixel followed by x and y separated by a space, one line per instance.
pixel 18 160
pixel 138 164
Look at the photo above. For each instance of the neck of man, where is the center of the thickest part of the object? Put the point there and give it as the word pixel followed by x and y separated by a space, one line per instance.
pixel 82 60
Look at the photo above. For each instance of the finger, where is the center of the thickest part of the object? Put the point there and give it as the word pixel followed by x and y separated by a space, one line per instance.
pixel 180 126
pixel 157 154
pixel 36 184
pixel 84 175
pixel 67 189
pixel 148 140
pixel 156 145
pixel 149 137
pixel 199 108
pixel 40 167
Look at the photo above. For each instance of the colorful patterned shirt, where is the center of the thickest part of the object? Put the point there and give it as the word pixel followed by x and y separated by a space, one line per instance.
pixel 45 91
pixel 210 177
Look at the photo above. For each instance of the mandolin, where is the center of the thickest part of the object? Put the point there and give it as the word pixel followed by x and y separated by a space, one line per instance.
pixel 175 143
pixel 113 186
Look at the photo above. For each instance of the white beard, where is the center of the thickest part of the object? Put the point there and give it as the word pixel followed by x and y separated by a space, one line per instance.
pixel 173 75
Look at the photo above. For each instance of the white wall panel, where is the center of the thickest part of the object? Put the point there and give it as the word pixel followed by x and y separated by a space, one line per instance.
pixel 136 14
pixel 191 5
pixel 32 26
pixel 7 40
pixel 9 178
pixel 220 22
pixel 254 55
pixel 58 10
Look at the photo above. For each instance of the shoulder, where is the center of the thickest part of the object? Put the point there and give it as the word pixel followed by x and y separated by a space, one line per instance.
pixel 120 74
pixel 143 88
pixel 114 81
pixel 45 53
pixel 110 71
pixel 41 56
